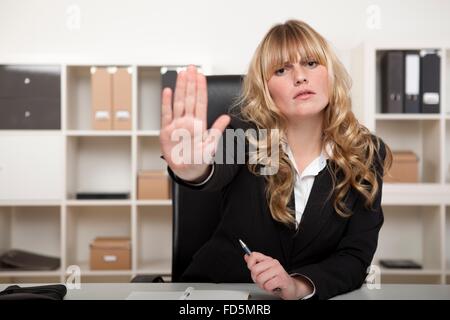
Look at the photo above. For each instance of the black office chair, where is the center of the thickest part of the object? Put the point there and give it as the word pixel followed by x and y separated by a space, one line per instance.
pixel 196 213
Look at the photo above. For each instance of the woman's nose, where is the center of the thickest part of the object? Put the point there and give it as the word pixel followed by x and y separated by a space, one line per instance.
pixel 299 76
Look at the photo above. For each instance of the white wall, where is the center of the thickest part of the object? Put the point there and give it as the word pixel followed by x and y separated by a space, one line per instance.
pixel 223 33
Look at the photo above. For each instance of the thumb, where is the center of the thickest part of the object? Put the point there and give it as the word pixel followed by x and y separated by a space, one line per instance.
pixel 220 124
pixel 213 137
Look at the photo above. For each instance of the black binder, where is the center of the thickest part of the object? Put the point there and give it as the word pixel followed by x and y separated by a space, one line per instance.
pixel 430 81
pixel 392 86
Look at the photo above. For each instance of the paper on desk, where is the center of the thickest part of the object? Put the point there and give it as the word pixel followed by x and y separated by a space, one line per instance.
pixel 194 295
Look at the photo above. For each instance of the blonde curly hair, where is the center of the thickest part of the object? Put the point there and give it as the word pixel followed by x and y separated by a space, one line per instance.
pixel 353 146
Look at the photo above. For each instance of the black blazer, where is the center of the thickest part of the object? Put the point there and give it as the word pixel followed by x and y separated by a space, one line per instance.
pixel 333 252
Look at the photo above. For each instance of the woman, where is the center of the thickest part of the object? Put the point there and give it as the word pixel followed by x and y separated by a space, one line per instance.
pixel 314 222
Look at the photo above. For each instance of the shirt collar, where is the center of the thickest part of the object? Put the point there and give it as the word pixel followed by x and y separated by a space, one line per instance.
pixel 317 165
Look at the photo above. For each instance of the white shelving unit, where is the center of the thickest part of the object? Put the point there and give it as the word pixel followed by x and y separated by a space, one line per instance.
pixel 417 215
pixel 42 171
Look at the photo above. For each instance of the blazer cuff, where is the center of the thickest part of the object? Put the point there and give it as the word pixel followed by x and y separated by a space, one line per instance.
pixel 176 178
pixel 310 281
pixel 203 182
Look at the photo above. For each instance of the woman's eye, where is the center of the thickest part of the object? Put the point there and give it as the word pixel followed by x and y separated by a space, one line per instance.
pixel 311 64
pixel 280 72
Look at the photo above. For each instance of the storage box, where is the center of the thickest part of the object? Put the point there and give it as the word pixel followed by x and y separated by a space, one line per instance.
pixel 101 98
pixel 110 253
pixel 153 185
pixel 405 168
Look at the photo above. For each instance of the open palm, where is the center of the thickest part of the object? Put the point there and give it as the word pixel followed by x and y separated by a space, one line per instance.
pixel 186 144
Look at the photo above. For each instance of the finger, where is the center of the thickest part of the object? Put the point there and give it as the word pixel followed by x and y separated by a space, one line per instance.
pixel 256 258
pixel 273 285
pixel 180 93
pixel 217 129
pixel 201 106
pixel 261 267
pixel 166 107
pixel 266 275
pixel 212 137
pixel 254 261
pixel 191 90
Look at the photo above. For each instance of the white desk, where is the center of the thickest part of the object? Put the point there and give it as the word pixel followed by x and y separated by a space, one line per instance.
pixel 399 292
pixel 119 291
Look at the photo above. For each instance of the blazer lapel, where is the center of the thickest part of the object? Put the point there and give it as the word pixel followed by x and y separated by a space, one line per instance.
pixel 287 234
pixel 317 211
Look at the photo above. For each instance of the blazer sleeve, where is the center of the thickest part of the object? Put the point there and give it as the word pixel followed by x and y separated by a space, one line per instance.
pixel 346 269
pixel 228 160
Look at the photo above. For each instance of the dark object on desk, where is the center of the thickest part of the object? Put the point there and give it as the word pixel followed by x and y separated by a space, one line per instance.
pixel 24 260
pixel 399 264
pixel 47 292
pixel 103 195
pixel 196 214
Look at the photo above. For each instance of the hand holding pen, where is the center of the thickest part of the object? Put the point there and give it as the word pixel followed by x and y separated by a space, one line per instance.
pixel 248 252
pixel 270 275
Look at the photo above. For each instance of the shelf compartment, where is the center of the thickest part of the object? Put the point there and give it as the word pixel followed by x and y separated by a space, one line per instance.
pixel 79 103
pixel 149 154
pixel 18 231
pixel 85 223
pixel 149 159
pixel 411 232
pixel 78 98
pixel 154 240
pixel 31 167
pixel 149 98
pixel 98 164
pixel 419 136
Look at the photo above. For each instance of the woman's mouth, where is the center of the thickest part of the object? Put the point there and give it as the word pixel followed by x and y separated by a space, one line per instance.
pixel 304 95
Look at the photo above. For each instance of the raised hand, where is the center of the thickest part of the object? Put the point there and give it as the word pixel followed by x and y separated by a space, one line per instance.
pixel 187 146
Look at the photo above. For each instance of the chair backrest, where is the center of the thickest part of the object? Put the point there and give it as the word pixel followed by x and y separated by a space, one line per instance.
pixel 196 213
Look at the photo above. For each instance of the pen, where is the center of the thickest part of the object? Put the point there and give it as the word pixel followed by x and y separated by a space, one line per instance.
pixel 249 252
pixel 244 246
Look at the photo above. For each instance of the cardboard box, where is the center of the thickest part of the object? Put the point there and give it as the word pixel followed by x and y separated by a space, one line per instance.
pixel 405 168
pixel 153 185
pixel 110 253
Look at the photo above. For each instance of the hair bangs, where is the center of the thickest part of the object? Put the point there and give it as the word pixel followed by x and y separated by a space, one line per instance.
pixel 290 44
